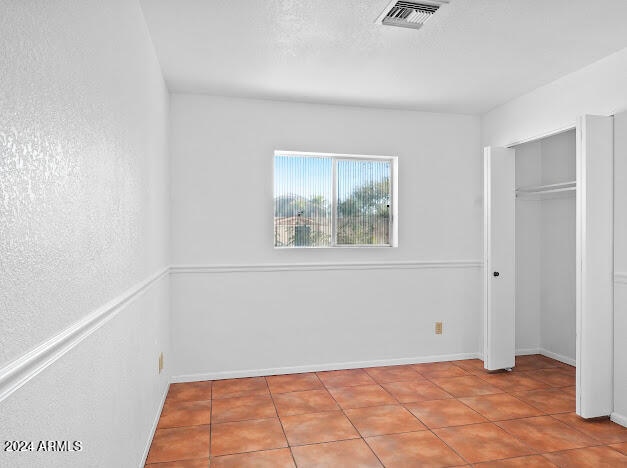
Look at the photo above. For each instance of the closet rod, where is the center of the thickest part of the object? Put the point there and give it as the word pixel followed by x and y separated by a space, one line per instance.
pixel 542 192
pixel 549 188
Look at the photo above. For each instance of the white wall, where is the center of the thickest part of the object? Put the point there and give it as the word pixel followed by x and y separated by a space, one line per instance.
pixel 558 282
pixel 620 266
pixel 545 249
pixel 528 248
pixel 222 152
pixel 83 218
pixel 596 89
pixel 558 250
pixel 620 192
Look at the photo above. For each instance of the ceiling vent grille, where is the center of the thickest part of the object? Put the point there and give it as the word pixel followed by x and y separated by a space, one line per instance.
pixel 409 14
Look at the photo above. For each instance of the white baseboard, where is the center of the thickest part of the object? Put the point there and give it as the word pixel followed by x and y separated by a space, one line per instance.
pixel 558 357
pixel 619 419
pixel 547 353
pixel 318 367
pixel 153 429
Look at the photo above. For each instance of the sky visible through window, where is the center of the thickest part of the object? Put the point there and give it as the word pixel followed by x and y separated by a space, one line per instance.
pixel 304 176
pixel 310 176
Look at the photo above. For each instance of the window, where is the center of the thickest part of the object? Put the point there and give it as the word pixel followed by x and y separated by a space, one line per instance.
pixel 334 200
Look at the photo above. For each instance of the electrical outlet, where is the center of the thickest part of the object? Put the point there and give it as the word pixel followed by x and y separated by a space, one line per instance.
pixel 160 362
pixel 438 328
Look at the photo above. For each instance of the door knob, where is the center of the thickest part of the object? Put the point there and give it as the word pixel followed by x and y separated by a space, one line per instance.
pixel 496 273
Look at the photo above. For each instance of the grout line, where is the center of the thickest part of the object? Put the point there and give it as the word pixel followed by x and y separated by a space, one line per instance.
pixel 357 430
pixel 372 450
pixel 575 428
pixel 236 453
pixel 488 421
pixel 578 448
pixel 309 444
pixel 276 411
pixel 246 452
pixel 439 438
pixel 404 406
pixel 450 447
pixel 525 444
pixel 349 419
pixel 211 425
pixel 243 420
pixel 301 391
pixel 337 410
pixel 474 410
pixel 408 432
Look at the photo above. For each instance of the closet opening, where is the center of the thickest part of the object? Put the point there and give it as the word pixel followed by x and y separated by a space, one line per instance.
pixel 545 247
pixel 548 256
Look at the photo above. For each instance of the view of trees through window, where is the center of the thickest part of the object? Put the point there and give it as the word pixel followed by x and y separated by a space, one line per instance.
pixel 308 193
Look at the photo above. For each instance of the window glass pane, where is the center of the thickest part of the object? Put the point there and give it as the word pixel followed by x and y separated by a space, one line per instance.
pixel 302 201
pixel 363 202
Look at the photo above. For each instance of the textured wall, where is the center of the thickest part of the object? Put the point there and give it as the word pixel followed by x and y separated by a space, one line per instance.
pixel 82 135
pixel 104 393
pixel 83 217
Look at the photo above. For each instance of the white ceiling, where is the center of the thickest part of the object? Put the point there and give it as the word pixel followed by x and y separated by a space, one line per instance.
pixel 470 57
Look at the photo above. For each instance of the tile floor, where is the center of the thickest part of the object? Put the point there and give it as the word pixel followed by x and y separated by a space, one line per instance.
pixel 436 414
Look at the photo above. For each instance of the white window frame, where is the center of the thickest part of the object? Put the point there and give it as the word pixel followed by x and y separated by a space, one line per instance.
pixel 335 157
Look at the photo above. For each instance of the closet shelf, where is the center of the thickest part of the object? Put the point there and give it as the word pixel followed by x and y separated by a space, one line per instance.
pixel 551 188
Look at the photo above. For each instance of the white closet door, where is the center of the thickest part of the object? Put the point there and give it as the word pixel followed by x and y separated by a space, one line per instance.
pixel 595 266
pixel 499 258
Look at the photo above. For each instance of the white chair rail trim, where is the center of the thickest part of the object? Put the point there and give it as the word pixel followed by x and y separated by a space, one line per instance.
pixel 18 372
pixel 270 267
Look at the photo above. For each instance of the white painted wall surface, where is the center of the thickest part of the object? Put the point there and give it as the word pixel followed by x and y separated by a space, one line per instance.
pixel 222 173
pixel 620 266
pixel 558 251
pixel 83 218
pixel 596 89
pixel 620 192
pixel 106 393
pixel 545 249
pixel 222 213
pixel 256 323
pixel 558 283
pixel 528 247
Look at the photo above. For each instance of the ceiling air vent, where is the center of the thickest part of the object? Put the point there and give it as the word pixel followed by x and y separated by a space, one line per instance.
pixel 409 14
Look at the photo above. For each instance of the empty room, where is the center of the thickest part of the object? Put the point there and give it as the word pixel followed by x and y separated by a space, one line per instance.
pixel 288 233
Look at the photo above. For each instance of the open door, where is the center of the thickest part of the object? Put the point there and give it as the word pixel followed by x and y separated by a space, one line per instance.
pixel 595 265
pixel 499 258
